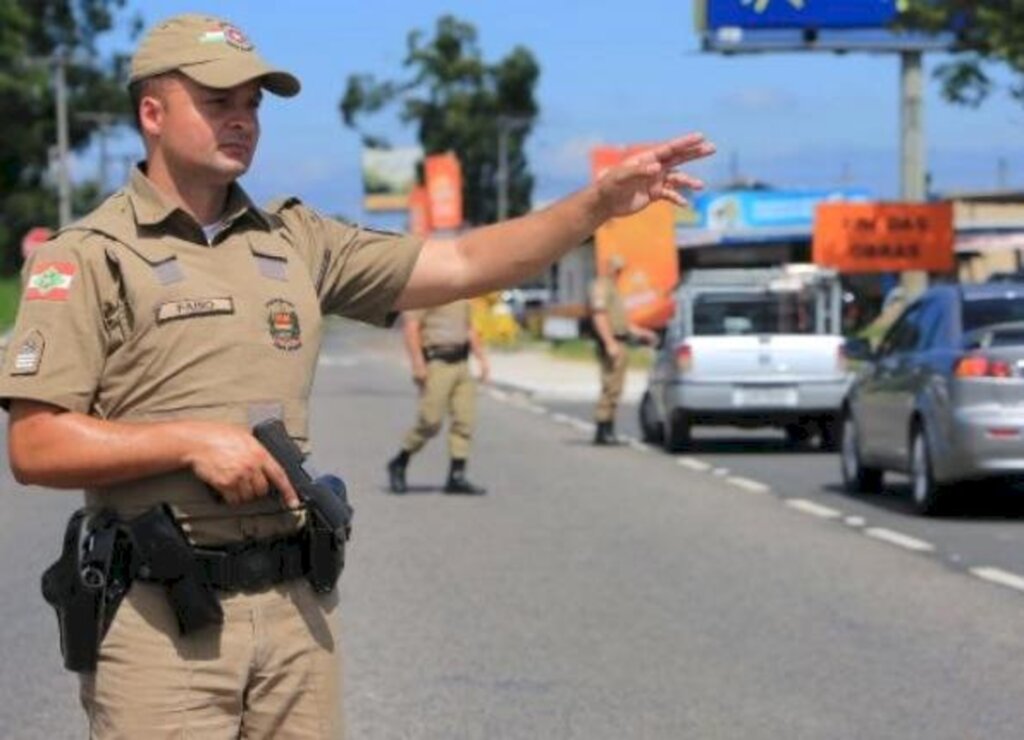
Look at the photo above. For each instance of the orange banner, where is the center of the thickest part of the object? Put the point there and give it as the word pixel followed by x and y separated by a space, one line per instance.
pixel 884 237
pixel 444 186
pixel 647 243
pixel 419 211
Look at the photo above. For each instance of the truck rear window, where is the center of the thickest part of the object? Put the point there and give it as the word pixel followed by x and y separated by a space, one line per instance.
pixel 754 313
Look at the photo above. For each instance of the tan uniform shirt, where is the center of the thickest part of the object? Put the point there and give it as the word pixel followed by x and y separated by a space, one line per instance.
pixel 130 315
pixel 605 296
pixel 447 324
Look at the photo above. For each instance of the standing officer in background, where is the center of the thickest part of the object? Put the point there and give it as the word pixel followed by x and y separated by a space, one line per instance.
pixel 439 341
pixel 155 331
pixel 614 331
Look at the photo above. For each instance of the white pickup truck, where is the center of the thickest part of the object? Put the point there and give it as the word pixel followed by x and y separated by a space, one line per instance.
pixel 751 348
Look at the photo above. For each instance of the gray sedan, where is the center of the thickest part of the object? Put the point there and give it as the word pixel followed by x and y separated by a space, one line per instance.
pixel 942 399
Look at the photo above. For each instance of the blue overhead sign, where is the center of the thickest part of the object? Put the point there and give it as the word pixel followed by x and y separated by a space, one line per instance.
pixel 800 14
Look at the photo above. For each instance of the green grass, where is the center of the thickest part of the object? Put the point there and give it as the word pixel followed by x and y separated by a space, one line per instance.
pixel 10 292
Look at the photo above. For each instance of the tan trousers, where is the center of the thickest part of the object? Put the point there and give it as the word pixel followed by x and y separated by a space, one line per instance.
pixel 449 388
pixel 270 671
pixel 613 377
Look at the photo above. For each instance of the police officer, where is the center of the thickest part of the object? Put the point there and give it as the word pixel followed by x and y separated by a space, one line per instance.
pixel 155 331
pixel 611 324
pixel 439 341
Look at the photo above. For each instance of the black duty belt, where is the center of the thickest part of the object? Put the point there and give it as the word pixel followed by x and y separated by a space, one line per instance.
pixel 447 352
pixel 251 565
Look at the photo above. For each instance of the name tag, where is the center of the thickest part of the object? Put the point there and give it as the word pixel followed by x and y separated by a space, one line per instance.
pixel 193 307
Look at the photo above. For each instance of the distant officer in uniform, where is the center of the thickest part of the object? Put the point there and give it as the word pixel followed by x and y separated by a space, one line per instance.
pixel 439 342
pixel 614 331
pixel 155 331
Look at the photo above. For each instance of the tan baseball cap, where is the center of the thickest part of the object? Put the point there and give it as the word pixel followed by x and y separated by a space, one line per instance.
pixel 209 50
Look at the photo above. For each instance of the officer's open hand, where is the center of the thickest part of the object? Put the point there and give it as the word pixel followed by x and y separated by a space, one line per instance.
pixel 651 175
pixel 419 376
pixel 231 461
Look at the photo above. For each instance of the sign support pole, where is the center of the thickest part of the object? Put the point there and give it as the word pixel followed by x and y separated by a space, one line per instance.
pixel 912 151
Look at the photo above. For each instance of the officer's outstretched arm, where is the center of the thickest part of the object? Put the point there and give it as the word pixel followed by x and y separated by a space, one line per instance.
pixel 49 446
pixel 507 253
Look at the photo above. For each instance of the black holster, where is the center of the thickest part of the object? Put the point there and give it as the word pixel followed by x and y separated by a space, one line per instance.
pixel 165 556
pixel 326 533
pixel 87 583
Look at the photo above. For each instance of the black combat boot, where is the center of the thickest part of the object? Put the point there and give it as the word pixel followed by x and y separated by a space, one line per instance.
pixel 396 472
pixel 457 481
pixel 604 433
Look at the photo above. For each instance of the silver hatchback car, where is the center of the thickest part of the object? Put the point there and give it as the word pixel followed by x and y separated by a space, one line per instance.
pixel 942 399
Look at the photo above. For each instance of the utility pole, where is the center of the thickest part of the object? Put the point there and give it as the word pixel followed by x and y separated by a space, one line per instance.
pixel 506 126
pixel 105 121
pixel 60 62
pixel 912 153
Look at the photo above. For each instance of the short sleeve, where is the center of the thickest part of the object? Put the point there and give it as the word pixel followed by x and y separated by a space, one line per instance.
pixel 56 351
pixel 359 272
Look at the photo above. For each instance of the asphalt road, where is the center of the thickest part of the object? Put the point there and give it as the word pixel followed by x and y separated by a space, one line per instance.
pixel 593 593
pixel 983 529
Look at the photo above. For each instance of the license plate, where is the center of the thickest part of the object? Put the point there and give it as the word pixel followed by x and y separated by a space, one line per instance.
pixel 775 397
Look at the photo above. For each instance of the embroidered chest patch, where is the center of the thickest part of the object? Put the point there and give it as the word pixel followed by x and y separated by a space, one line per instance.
pixel 283 322
pixel 50 281
pixel 29 355
pixel 192 307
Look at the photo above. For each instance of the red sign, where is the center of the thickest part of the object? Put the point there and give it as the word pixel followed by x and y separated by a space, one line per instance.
pixel 444 186
pixel 33 238
pixel 419 212
pixel 884 237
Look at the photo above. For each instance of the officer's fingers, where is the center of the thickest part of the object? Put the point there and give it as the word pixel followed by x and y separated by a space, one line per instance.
pixel 260 485
pixel 275 474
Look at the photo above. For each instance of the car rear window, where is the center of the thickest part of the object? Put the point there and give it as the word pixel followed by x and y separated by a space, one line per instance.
pixel 754 313
pixel 982 312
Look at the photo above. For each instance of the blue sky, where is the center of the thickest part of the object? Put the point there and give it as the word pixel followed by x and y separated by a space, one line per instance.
pixel 611 73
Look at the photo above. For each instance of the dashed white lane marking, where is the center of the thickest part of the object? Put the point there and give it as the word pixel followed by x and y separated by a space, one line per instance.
pixel 809 507
pixel 637 445
pixel 562 418
pixel 498 395
pixel 583 426
pixel 720 471
pixel 1000 576
pixel 535 409
pixel 899 539
pixel 748 485
pixel 855 521
pixel 693 464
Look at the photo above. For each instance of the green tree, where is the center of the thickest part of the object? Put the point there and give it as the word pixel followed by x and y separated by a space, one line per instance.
pixel 989 31
pixel 458 102
pixel 32 33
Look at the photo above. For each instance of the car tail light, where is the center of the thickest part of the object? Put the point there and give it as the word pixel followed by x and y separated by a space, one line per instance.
pixel 684 358
pixel 979 366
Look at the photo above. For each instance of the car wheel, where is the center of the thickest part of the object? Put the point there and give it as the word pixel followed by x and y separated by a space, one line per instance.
pixel 857 478
pixel 677 432
pixel 650 429
pixel 925 492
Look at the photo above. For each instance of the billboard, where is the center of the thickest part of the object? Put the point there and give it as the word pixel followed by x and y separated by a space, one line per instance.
pixel 798 14
pixel 646 240
pixel 740 210
pixel 388 177
pixel 444 190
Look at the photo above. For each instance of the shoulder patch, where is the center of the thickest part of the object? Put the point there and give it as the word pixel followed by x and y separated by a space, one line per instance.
pixel 29 354
pixel 50 281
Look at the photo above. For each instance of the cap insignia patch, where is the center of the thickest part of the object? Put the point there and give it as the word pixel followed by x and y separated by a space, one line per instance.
pixel 283 322
pixel 29 355
pixel 227 34
pixel 50 281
